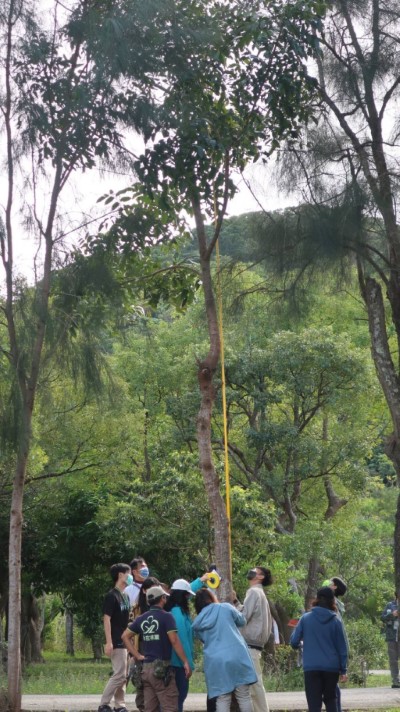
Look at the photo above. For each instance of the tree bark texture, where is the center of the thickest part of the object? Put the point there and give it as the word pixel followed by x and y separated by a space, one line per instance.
pixel 97 648
pixel 69 633
pixel 206 372
pixel 389 380
pixel 14 606
pixel 313 574
pixel 32 620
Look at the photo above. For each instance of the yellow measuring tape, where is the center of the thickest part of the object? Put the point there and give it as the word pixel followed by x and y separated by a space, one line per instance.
pixel 224 410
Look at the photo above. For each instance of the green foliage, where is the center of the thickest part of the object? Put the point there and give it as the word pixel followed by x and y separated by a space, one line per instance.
pixel 366 643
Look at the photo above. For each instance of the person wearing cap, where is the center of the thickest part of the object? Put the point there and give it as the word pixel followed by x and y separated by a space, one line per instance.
pixel 141 606
pixel 140 572
pixel 178 604
pixel 390 617
pixel 157 631
pixel 258 628
pixel 324 651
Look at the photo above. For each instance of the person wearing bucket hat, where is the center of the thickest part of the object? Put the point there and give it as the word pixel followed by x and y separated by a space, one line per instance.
pixel 158 632
pixel 324 651
pixel 178 605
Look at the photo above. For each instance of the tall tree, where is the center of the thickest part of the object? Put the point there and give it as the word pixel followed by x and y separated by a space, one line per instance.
pixel 59 116
pixel 348 169
pixel 233 86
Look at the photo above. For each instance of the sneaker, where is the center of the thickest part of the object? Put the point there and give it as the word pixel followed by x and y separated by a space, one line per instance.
pixel 104 708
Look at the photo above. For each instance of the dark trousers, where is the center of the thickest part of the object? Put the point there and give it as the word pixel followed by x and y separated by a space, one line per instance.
pixel 338 699
pixel 320 687
pixel 182 684
pixel 394 654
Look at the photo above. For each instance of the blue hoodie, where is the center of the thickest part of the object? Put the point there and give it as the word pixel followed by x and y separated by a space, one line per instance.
pixel 227 661
pixel 324 642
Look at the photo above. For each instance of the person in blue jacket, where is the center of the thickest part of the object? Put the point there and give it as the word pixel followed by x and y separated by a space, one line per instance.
pixel 178 604
pixel 324 651
pixel 228 666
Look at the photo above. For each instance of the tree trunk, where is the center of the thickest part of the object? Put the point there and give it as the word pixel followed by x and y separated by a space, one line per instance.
pixel 389 380
pixel 14 603
pixel 36 628
pixel 32 619
pixel 97 648
pixel 314 571
pixel 206 371
pixel 69 632
pixel 25 633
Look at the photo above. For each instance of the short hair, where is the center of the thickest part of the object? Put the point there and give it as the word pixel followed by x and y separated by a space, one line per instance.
pixel 142 600
pixel 267 580
pixel 118 569
pixel 341 586
pixel 203 598
pixel 136 561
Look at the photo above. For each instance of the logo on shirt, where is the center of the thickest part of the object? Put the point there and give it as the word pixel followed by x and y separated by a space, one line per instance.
pixel 149 626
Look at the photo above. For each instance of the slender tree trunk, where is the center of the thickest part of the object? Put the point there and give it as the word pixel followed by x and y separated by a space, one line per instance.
pixel 69 632
pixel 206 372
pixel 14 568
pixel 97 648
pixel 314 571
pixel 36 627
pixel 389 380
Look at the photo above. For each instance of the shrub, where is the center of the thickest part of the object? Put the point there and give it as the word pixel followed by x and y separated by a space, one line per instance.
pixel 366 644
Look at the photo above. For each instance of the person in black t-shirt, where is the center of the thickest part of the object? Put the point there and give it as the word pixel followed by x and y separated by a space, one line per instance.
pixel 115 619
pixel 157 631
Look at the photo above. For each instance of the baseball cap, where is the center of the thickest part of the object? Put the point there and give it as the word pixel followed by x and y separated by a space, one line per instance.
pixel 155 592
pixel 182 585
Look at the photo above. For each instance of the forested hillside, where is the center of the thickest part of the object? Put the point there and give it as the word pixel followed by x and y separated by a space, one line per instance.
pixel 114 471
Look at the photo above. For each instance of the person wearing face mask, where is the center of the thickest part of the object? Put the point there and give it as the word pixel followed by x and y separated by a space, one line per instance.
pixel 115 620
pixel 140 572
pixel 258 628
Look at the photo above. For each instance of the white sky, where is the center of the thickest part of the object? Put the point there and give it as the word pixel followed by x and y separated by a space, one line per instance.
pixel 79 199
pixel 79 203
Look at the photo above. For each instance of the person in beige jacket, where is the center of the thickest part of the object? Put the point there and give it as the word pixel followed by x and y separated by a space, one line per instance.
pixel 258 628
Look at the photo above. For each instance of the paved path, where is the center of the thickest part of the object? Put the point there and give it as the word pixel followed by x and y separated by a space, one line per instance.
pixel 376 698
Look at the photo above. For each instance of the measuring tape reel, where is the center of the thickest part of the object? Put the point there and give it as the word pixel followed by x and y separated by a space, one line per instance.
pixel 213 580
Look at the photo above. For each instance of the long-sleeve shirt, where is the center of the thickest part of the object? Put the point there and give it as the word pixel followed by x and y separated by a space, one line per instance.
pixel 256 610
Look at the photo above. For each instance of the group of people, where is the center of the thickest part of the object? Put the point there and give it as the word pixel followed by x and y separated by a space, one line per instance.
pixel 152 623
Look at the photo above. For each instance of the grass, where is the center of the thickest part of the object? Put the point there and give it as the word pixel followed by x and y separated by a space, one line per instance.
pixel 80 675
pixel 63 675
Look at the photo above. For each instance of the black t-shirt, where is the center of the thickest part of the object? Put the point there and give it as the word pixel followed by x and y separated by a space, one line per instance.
pixel 153 628
pixel 116 605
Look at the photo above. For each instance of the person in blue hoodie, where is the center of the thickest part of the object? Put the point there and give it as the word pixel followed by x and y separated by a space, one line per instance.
pixel 324 651
pixel 228 666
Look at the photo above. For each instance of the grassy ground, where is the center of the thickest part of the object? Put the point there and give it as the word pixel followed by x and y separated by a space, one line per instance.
pixel 80 675
pixel 61 674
